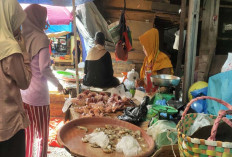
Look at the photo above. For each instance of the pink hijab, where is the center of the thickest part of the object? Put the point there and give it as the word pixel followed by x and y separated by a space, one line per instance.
pixel 33 29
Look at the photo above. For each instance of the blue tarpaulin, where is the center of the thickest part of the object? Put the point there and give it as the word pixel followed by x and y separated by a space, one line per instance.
pixel 55 2
pixel 59 28
pixel 219 86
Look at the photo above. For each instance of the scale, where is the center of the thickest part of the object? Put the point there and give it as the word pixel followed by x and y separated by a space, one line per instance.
pixel 168 81
pixel 164 80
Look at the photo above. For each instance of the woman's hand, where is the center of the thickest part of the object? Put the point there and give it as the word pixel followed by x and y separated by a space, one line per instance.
pixel 60 88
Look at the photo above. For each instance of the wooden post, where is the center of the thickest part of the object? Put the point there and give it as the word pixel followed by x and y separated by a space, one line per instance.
pixel 190 55
pixel 209 31
pixel 181 45
pixel 75 44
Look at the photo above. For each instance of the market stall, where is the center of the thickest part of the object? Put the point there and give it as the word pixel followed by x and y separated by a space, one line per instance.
pixel 156 109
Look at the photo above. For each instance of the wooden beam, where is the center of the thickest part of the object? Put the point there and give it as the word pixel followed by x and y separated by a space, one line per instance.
pixel 143 5
pixel 225 6
pixel 226 1
pixel 209 30
pixel 139 15
pixel 191 44
pixel 130 15
pixel 165 7
pixel 213 31
pixel 181 45
pixel 132 4
pixel 75 44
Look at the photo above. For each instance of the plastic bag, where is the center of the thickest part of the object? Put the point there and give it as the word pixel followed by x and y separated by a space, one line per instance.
pixel 201 121
pixel 136 114
pixel 228 64
pixel 129 146
pixel 163 132
pixel 220 86
pixel 120 90
pixel 115 33
pixel 159 96
pixel 200 106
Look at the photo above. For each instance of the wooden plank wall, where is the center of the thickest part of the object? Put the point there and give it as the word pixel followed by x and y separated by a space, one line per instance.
pixel 140 16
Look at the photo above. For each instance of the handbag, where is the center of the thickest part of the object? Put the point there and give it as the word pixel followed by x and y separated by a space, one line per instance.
pixel 124 44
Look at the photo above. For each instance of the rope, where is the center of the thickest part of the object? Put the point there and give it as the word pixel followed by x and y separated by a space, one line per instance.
pixel 172 143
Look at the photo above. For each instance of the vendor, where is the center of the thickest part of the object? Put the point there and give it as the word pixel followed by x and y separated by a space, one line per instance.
pixel 98 66
pixel 155 61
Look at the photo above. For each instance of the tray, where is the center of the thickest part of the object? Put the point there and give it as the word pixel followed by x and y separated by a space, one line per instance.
pixel 70 137
pixel 165 80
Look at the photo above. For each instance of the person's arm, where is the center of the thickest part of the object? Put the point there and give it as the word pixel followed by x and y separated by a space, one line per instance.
pixel 109 65
pixel 44 66
pixel 17 66
pixel 86 68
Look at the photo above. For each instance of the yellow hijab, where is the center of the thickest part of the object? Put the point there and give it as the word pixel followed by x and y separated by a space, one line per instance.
pixel 11 17
pixel 155 60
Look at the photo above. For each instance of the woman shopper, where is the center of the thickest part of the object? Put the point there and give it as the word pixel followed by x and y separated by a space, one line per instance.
pixel 15 74
pixel 36 97
pixel 98 66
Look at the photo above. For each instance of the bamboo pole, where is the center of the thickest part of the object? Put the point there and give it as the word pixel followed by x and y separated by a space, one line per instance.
pixel 75 44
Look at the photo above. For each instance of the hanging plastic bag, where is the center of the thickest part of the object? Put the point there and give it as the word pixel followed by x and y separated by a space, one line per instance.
pixel 129 35
pixel 123 45
pixel 220 86
pixel 228 64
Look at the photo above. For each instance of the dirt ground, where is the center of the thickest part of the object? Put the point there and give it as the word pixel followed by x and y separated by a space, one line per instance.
pixel 58 152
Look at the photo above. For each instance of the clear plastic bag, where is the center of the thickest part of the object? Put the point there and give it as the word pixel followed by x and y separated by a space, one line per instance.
pixel 228 64
pixel 163 133
pixel 129 146
pixel 202 120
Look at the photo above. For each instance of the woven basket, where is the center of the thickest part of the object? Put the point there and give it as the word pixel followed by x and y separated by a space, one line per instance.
pixel 189 147
pixel 167 151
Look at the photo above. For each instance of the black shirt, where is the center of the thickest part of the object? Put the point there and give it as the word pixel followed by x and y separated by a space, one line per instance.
pixel 99 73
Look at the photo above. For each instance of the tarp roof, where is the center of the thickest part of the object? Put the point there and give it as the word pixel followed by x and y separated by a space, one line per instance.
pixel 57 34
pixel 58 15
pixel 55 2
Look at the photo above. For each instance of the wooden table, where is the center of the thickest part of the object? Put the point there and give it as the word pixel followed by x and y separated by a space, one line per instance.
pixel 74 115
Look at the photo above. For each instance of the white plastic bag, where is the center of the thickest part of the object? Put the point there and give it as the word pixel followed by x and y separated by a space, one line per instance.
pixel 67 104
pixel 176 42
pixel 228 64
pixel 129 146
pixel 120 90
pixel 159 127
pixel 202 120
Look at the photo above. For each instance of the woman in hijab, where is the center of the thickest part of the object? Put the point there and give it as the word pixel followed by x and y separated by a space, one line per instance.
pixel 98 66
pixel 15 74
pixel 155 61
pixel 36 97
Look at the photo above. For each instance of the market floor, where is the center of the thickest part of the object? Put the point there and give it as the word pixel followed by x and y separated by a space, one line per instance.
pixel 58 152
